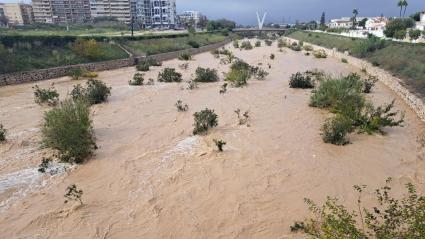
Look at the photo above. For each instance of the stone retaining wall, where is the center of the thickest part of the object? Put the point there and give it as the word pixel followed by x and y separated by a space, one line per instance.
pixel 385 77
pixel 44 74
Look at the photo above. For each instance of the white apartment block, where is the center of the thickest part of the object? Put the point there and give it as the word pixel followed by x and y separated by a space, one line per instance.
pixel 121 9
pixel 17 13
pixel 61 11
pixel 156 13
pixel 190 17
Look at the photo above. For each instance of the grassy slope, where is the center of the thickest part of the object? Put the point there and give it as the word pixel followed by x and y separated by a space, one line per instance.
pixel 404 60
pixel 46 57
pixel 172 44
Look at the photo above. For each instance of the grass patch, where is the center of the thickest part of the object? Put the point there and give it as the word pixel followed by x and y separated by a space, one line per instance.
pixel 156 46
pixel 401 59
pixel 25 58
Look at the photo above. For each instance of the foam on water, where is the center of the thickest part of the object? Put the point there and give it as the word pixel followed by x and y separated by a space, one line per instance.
pixel 25 181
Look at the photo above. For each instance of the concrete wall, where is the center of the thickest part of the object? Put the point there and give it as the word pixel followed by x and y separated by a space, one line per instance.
pixel 385 77
pixel 44 74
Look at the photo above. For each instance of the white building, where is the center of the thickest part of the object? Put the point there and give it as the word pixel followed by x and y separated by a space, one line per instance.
pixel 376 23
pixel 421 24
pixel 17 13
pixel 156 13
pixel 120 9
pixel 344 22
pixel 190 17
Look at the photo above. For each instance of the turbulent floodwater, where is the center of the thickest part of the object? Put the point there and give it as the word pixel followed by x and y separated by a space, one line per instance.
pixel 150 178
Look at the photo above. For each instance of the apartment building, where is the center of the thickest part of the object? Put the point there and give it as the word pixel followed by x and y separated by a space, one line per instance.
pixel 156 13
pixel 190 18
pixel 61 11
pixel 17 13
pixel 120 9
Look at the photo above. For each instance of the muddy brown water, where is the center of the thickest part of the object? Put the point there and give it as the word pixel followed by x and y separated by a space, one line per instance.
pixel 150 178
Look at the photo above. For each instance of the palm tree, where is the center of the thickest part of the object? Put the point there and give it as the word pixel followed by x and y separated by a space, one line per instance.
pixel 355 13
pixel 405 4
pixel 401 5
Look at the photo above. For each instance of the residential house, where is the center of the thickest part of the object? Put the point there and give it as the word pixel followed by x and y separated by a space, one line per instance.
pixel 421 24
pixel 376 23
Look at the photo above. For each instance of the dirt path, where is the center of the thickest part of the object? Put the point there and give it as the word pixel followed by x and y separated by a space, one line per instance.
pixel 151 178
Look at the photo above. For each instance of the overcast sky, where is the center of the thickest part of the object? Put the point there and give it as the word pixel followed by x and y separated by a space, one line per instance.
pixel 243 11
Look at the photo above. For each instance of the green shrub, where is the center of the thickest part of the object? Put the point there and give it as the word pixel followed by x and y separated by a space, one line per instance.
pixel 46 96
pixel 236 44
pixel 193 44
pixel 295 47
pixel 146 63
pixel 334 130
pixel 68 129
pixel 76 73
pixel 246 45
pixel 89 49
pixel 307 48
pixel 242 118
pixel 281 43
pixel 343 60
pixel 400 34
pixel 204 120
pixel 303 81
pixel 268 42
pixel 95 92
pixel 143 66
pixel 73 194
pixel 180 107
pixel 387 216
pixel 415 34
pixel 219 144
pixel 137 79
pixel 2 133
pixel 257 43
pixel 153 62
pixel 320 54
pixel 397 26
pixel 90 74
pixel 169 75
pixel 185 56
pixel 332 92
pixel 237 78
pixel 192 85
pixel 223 88
pixel 206 75
pixel 272 56
pixel 259 73
pixel 44 165
pixel 369 83
pixel 374 119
